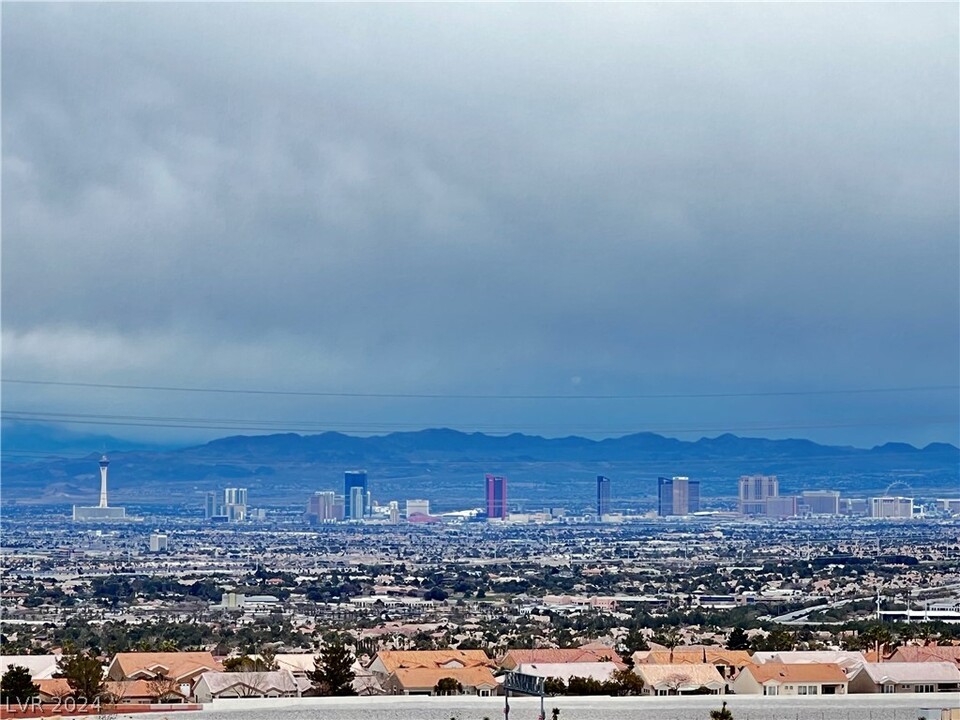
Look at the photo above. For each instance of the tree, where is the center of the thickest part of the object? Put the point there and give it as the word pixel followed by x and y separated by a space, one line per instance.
pixel 626 682
pixel 676 681
pixel 876 638
pixel 554 686
pixel 16 686
pixel 268 659
pixel 332 670
pixel 633 642
pixel 776 640
pixel 738 640
pixel 447 686
pixel 722 713
pixel 84 675
pixel 164 688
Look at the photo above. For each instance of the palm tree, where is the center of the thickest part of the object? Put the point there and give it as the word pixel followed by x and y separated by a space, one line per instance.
pixel 722 713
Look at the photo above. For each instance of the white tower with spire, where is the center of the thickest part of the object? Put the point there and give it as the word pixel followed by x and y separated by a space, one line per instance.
pixel 102 512
pixel 104 464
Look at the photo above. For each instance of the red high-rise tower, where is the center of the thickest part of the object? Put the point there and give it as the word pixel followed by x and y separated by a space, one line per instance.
pixel 496 497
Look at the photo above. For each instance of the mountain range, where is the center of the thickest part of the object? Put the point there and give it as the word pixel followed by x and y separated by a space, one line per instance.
pixel 447 467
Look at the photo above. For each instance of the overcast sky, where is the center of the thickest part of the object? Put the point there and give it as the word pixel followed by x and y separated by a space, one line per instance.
pixel 485 199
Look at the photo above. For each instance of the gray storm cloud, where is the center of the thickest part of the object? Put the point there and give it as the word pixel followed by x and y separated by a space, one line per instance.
pixel 466 198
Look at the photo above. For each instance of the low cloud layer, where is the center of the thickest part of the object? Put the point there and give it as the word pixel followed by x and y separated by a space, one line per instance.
pixel 620 199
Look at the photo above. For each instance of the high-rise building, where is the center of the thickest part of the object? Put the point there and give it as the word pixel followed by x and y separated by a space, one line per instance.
pixel 354 509
pixel 664 496
pixel 356 503
pixel 781 506
pixel 678 495
pixel 102 511
pixel 320 508
pixel 819 502
pixel 496 497
pixel 394 512
pixel 210 505
pixel 603 495
pixel 414 507
pixel 891 507
pixel 235 504
pixel 158 542
pixel 755 490
pixel 228 505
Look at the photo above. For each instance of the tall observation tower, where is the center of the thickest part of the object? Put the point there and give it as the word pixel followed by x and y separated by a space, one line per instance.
pixel 104 464
pixel 102 512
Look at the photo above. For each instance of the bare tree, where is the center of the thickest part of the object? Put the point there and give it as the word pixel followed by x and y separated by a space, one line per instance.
pixel 250 684
pixel 164 688
pixel 676 681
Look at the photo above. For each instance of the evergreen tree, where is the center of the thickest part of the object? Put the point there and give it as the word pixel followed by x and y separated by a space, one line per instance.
pixel 16 685
pixel 333 673
pixel 84 675
pixel 738 640
pixel 447 686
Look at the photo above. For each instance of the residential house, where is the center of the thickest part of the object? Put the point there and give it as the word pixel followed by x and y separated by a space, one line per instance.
pixel 514 658
pixel 129 692
pixel 927 653
pixel 475 680
pixel 846 659
pixel 680 679
pixel 387 662
pixel 906 677
pixel 40 667
pixel 599 671
pixel 727 662
pixel 416 672
pixel 774 678
pixel 221 685
pixel 181 669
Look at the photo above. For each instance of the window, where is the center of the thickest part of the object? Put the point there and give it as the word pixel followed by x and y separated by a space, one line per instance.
pixel 813 690
pixel 801 689
pixel 771 690
pixel 889 688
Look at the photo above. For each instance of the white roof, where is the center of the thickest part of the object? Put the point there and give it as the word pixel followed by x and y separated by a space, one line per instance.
pixel 294 662
pixel 564 671
pixel 280 680
pixel 847 659
pixel 912 672
pixel 41 667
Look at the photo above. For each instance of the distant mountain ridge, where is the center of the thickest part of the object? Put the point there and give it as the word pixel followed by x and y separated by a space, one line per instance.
pixel 447 467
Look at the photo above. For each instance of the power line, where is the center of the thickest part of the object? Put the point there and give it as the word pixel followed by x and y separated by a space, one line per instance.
pixel 275 426
pixel 483 396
